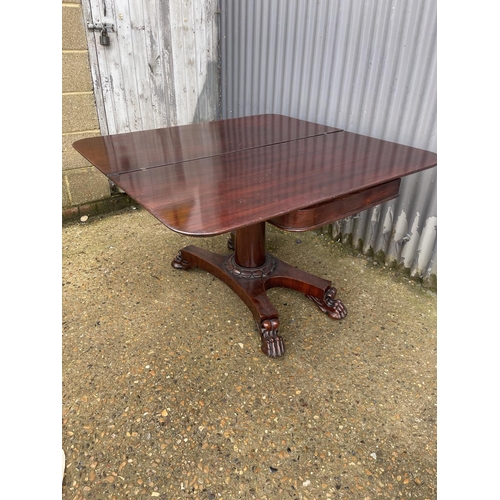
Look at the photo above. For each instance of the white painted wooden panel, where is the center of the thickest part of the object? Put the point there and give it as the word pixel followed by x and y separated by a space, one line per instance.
pixel 161 67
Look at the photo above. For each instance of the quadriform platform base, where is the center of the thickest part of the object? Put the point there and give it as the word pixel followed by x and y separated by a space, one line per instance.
pixel 251 274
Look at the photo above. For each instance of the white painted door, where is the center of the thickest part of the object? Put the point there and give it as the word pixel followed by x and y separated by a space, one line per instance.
pixel 161 66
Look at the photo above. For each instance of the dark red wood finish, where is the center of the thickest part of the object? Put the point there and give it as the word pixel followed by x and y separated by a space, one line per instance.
pixel 234 175
pixel 338 208
pixel 221 193
pixel 129 152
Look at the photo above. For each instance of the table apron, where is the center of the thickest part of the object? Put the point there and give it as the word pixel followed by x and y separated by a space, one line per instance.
pixel 338 208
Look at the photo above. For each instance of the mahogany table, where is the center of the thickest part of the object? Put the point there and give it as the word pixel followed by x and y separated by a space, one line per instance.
pixel 234 175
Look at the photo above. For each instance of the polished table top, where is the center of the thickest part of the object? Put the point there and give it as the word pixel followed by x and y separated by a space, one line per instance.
pixel 210 178
pixel 128 152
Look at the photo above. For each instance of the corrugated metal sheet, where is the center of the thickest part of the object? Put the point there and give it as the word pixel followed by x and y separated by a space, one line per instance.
pixel 366 67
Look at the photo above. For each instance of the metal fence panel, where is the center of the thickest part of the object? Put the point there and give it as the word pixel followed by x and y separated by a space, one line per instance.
pixel 366 67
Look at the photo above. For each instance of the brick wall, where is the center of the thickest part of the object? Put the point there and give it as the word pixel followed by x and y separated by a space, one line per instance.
pixel 84 189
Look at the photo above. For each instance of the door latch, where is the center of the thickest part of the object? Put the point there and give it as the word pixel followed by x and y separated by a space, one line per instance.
pixel 103 28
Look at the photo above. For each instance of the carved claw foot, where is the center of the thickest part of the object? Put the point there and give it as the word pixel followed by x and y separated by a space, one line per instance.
pixel 180 263
pixel 272 343
pixel 330 305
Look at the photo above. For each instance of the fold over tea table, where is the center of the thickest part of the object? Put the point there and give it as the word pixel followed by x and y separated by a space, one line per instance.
pixel 234 175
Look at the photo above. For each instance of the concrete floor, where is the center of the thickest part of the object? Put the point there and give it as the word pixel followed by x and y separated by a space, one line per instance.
pixel 167 395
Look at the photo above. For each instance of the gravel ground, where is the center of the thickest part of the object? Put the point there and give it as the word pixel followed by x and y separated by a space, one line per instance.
pixel 166 393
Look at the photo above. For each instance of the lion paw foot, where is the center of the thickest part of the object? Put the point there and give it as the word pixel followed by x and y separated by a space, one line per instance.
pixel 330 305
pixel 272 343
pixel 180 263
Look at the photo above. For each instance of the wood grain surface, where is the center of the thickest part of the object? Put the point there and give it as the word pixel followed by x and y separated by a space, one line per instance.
pixel 132 151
